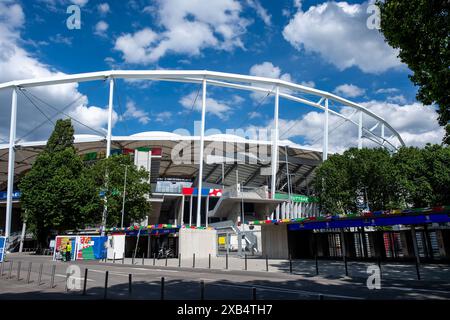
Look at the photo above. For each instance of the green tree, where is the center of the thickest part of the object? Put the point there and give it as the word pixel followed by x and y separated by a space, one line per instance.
pixel 108 176
pixel 421 30
pixel 56 195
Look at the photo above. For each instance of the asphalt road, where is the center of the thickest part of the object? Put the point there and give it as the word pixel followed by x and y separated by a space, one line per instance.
pixel 185 283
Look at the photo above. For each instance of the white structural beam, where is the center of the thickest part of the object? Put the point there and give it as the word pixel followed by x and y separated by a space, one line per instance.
pixel 11 159
pixel 275 143
pixel 110 114
pixel 325 133
pixel 201 151
pixel 197 75
pixel 360 130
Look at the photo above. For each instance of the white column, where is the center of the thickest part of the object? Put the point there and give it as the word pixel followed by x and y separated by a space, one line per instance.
pixel 325 134
pixel 283 210
pixel 110 114
pixel 300 206
pixel 207 209
pixel 277 212
pixel 275 143
pixel 182 210
pixel 360 125
pixel 11 159
pixel 190 210
pixel 202 143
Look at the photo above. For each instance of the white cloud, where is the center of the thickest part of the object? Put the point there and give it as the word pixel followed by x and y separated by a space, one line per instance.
pixel 187 27
pixel 416 124
pixel 400 99
pixel 338 32
pixel 103 8
pixel 26 66
pixel 218 108
pixel 163 116
pixel 387 90
pixel 81 3
pixel 133 112
pixel 310 84
pixel 268 70
pixel 349 90
pixel 100 28
pixel 260 11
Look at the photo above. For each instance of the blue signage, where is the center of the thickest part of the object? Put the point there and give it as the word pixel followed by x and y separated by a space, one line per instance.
pixel 2 248
pixel 15 195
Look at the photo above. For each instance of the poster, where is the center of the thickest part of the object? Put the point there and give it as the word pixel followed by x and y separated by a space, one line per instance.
pixel 91 247
pixel 60 247
pixel 2 248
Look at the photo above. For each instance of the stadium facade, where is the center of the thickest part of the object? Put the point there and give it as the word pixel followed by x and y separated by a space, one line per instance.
pixel 225 193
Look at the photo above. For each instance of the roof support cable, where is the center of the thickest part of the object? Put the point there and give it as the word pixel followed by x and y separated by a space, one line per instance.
pixel 67 115
pixel 53 116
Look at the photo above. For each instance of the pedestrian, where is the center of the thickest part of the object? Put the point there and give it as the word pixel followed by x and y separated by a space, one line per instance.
pixel 68 251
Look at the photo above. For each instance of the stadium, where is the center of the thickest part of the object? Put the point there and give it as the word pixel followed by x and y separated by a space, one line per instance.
pixel 234 193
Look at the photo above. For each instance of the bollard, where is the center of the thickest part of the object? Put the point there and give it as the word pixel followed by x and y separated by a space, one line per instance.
pixel 52 280
pixel 226 260
pixel 267 262
pixel 317 265
pixel 379 266
pixel 85 281
pixel 245 262
pixel 10 270
pixel 166 261
pixel 123 257
pixel 1 269
pixel 129 283
pixel 254 293
pixel 193 260
pixel 418 270
pixel 40 274
pixel 290 264
pixel 143 257
pixel 114 258
pixel 162 288
pixel 105 294
pixel 345 264
pixel 209 261
pixel 19 266
pixel 202 290
pixel 29 271
pixel 132 260
pixel 179 260
pixel 320 297
pixel 154 258
pixel 67 281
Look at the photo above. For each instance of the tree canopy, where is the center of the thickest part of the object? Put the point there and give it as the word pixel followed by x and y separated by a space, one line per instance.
pixel 420 29
pixel 108 177
pixel 412 177
pixel 60 192
pixel 55 192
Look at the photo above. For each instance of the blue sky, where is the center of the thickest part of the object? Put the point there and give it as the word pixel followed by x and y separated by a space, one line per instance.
pixel 326 45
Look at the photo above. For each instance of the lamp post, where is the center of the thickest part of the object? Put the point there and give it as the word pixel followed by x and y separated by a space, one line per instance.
pixel 123 198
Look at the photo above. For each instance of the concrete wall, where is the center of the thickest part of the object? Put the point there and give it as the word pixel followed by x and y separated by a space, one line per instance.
pixel 275 241
pixel 200 242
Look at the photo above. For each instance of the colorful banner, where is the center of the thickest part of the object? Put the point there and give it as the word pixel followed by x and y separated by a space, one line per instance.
pixel 2 248
pixel 205 192
pixel 91 247
pixel 61 247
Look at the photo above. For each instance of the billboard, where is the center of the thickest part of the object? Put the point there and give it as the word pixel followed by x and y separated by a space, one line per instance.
pixel 2 248
pixel 60 247
pixel 91 247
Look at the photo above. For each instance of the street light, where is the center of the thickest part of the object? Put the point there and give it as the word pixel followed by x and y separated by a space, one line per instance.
pixel 123 198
